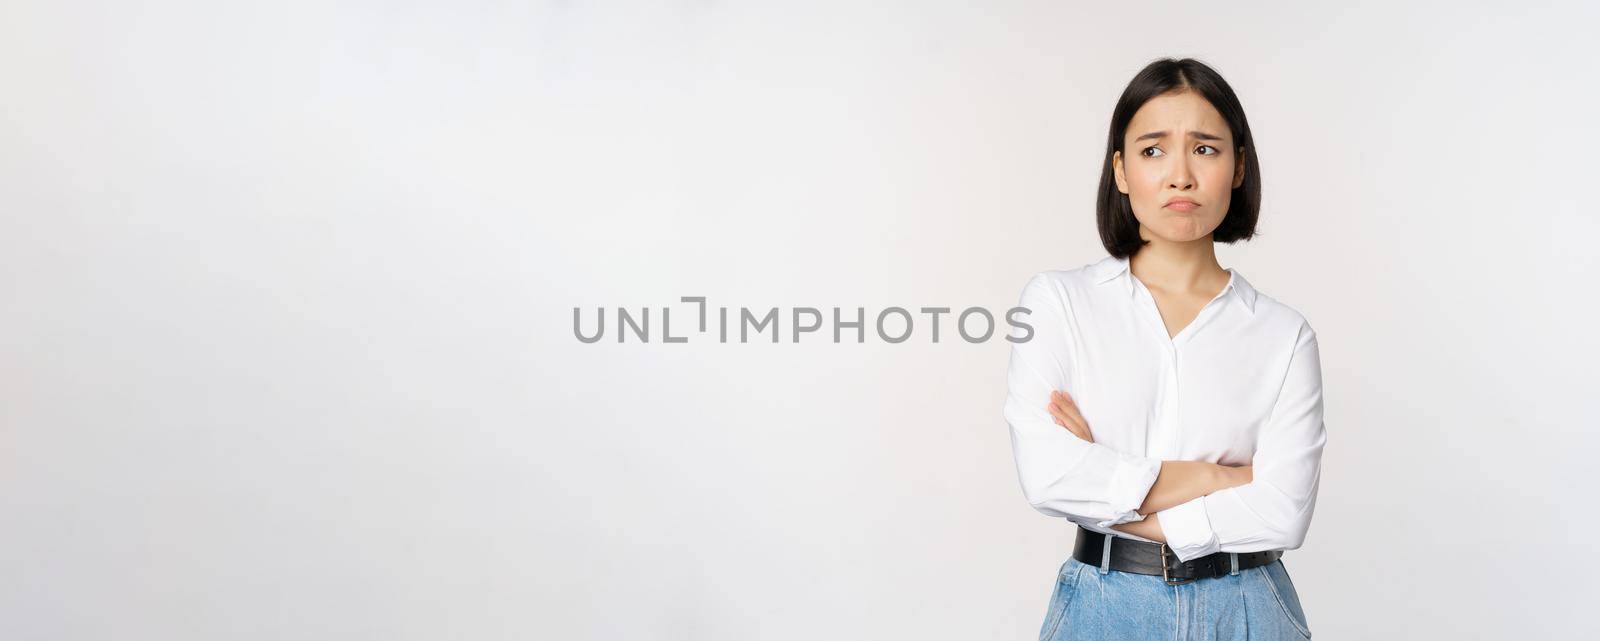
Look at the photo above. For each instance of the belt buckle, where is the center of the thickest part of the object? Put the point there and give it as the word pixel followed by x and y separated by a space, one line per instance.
pixel 1167 578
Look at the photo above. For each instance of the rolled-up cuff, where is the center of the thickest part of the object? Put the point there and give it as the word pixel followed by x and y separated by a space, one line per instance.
pixel 1187 528
pixel 1130 484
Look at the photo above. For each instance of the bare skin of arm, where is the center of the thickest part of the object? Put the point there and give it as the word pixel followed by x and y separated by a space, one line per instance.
pixel 1178 482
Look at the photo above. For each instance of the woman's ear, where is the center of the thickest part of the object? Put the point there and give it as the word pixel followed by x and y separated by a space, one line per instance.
pixel 1238 170
pixel 1116 171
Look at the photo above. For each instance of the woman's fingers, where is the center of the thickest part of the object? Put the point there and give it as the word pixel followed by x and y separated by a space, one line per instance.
pixel 1057 409
pixel 1075 416
pixel 1062 403
pixel 1066 414
pixel 1058 414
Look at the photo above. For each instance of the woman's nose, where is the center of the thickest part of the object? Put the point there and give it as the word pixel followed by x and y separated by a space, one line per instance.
pixel 1181 177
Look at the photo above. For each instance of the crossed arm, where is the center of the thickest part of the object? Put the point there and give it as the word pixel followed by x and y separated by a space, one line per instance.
pixel 1178 482
pixel 1195 507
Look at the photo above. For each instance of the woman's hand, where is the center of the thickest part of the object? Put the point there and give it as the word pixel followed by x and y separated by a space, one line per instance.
pixel 1066 413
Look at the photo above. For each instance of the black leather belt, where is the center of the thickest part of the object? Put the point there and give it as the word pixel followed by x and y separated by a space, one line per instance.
pixel 1142 557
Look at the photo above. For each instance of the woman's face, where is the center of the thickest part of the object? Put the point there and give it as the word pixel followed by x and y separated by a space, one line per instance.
pixel 1178 147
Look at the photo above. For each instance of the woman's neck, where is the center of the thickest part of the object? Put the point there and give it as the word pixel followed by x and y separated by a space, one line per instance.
pixel 1178 267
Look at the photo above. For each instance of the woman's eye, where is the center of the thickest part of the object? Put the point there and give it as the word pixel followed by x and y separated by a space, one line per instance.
pixel 1146 153
pixel 1213 150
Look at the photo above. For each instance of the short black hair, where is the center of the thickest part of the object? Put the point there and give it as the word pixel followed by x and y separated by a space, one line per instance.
pixel 1119 229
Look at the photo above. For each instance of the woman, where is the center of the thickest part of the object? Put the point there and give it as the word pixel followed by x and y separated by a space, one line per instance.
pixel 1164 406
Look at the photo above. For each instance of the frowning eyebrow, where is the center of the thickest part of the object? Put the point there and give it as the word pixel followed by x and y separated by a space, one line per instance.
pixel 1200 135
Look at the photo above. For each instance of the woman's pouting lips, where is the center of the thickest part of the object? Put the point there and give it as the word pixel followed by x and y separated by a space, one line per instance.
pixel 1182 205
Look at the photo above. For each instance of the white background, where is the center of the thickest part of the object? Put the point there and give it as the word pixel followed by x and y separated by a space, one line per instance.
pixel 286 347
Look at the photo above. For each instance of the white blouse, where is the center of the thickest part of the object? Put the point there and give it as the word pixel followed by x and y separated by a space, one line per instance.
pixel 1240 385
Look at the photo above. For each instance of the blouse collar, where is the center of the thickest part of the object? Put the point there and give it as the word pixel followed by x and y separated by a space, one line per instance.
pixel 1112 267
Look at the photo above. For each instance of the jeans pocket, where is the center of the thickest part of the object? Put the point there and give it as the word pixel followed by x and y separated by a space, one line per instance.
pixel 1287 597
pixel 1066 586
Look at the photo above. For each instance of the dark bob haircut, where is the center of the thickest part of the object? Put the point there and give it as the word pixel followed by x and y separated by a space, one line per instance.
pixel 1119 229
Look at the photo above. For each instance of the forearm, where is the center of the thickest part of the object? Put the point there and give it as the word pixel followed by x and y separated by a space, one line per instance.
pixel 1183 481
pixel 1149 528
pixel 1178 483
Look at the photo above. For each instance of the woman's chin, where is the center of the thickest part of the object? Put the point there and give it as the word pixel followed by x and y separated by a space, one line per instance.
pixel 1181 228
pixel 1183 233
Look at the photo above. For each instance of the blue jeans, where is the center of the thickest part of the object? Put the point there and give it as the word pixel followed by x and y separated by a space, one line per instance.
pixel 1091 602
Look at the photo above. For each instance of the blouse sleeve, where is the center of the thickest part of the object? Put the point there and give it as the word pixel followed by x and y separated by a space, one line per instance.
pixel 1063 475
pixel 1272 511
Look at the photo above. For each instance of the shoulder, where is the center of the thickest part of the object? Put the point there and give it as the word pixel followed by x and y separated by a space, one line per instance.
pixel 1285 318
pixel 1062 281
